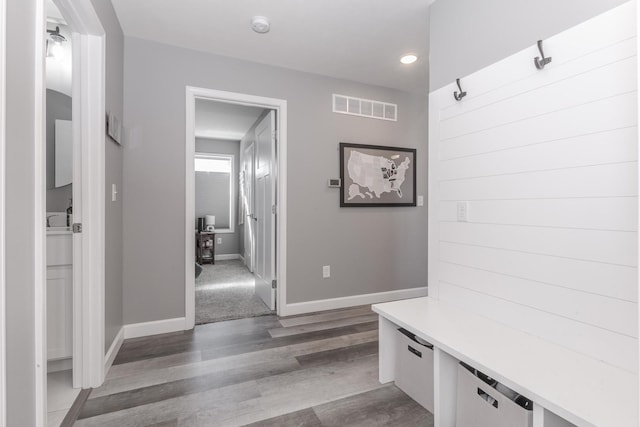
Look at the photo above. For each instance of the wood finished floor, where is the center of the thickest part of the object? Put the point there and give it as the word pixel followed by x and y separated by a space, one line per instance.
pixel 310 370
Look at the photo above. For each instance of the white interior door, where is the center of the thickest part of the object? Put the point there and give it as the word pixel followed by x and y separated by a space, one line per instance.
pixel 264 211
pixel 248 191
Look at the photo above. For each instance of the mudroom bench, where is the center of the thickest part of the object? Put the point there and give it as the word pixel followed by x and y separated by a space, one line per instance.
pixel 564 388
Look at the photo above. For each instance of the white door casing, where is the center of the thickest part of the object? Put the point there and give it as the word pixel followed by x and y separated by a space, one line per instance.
pixel 89 246
pixel 265 217
pixel 248 192
pixel 3 401
pixel 39 226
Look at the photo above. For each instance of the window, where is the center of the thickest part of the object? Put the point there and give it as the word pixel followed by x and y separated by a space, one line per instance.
pixel 215 189
pixel 213 164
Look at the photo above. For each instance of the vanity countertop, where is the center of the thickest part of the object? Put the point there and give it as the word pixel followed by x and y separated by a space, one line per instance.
pixel 52 231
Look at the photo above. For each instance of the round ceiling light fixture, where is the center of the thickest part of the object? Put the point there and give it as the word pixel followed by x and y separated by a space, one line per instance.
pixel 409 59
pixel 260 24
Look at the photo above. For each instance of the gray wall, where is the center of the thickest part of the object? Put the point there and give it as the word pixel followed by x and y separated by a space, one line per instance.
pixel 212 192
pixel 20 196
pixel 58 108
pixel 467 35
pixel 113 172
pixel 370 250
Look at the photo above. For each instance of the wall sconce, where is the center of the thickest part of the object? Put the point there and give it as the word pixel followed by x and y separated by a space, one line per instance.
pixel 54 43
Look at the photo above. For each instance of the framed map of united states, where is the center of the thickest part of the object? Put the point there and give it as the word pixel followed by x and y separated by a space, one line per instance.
pixel 375 175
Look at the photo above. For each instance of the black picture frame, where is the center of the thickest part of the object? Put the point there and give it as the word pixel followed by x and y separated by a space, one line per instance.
pixel 370 191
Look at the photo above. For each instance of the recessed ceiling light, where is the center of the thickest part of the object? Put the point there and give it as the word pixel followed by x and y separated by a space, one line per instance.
pixel 260 24
pixel 409 59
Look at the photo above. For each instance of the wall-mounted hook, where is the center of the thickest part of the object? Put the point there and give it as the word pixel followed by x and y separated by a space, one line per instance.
pixel 541 61
pixel 462 94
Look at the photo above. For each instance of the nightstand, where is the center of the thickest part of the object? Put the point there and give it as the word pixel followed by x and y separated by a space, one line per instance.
pixel 205 247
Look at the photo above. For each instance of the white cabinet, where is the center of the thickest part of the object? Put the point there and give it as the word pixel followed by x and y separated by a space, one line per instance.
pixel 59 248
pixel 59 296
pixel 59 300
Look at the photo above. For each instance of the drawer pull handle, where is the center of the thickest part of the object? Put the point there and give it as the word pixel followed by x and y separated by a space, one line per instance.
pixel 490 400
pixel 414 351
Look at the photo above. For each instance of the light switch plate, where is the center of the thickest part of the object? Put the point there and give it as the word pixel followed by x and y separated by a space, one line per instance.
pixel 420 200
pixel 114 193
pixel 219 240
pixel 462 211
pixel 326 271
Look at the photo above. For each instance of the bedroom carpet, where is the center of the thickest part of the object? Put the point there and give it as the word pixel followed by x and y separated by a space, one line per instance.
pixel 225 291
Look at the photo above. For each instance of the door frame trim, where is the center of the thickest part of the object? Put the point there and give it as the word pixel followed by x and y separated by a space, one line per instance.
pixel 3 102
pixel 89 56
pixel 280 105
pixel 39 212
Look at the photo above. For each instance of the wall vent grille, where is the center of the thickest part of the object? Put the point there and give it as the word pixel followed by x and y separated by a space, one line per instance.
pixel 343 104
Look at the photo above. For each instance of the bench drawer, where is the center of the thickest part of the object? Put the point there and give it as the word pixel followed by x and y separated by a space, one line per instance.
pixel 481 405
pixel 414 370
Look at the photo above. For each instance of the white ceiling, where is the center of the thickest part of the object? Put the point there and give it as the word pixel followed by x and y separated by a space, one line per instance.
pixel 360 40
pixel 218 120
pixel 53 13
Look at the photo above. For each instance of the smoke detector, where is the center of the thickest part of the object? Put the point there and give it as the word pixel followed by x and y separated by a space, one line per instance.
pixel 260 24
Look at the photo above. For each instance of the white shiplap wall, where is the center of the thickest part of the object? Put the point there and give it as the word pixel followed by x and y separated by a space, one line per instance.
pixel 548 163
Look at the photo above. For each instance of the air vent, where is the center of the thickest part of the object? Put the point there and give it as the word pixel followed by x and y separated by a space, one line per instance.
pixel 343 104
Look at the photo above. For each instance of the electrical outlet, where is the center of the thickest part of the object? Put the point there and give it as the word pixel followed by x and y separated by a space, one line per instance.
pixel 326 271
pixel 219 240
pixel 463 211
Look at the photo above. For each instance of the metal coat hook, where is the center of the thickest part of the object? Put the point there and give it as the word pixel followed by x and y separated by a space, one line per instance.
pixel 462 94
pixel 540 63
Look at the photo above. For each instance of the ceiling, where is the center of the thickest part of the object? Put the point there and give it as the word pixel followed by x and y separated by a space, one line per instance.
pixel 220 120
pixel 53 13
pixel 360 40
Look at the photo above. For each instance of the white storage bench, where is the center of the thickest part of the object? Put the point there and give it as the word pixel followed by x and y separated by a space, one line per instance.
pixel 566 388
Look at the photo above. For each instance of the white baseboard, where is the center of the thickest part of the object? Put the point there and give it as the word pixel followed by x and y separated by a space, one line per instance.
pixel 352 301
pixel 226 257
pixel 136 330
pixel 113 350
pixel 242 259
pixel 59 365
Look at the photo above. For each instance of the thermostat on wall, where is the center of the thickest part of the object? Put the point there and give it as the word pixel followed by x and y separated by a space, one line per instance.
pixel 334 183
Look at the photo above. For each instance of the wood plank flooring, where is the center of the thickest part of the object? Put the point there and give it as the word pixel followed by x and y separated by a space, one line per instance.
pixel 310 370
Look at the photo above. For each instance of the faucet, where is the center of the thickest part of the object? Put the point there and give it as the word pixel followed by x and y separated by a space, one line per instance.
pixel 48 218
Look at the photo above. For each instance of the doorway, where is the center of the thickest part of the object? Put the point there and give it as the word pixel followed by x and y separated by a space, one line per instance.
pixel 59 215
pixel 259 217
pixel 227 285
pixel 81 254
